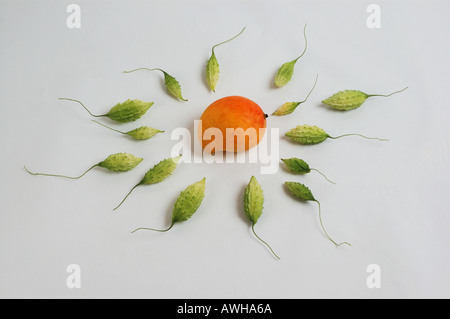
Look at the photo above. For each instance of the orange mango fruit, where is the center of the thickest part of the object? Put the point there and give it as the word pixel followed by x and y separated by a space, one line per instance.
pixel 232 124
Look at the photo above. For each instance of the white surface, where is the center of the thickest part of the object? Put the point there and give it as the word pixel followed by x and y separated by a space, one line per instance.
pixel 391 199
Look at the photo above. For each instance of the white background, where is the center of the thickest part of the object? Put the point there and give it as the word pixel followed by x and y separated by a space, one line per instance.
pixel 391 200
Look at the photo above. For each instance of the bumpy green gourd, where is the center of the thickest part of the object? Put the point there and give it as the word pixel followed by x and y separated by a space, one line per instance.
pixel 156 174
pixel 350 99
pixel 120 162
pixel 299 166
pixel 303 193
pixel 140 133
pixel 296 165
pixel 253 206
pixel 253 200
pixel 189 201
pixel 307 135
pixel 285 72
pixel 128 111
pixel 300 191
pixel 186 204
pixel 289 107
pixel 172 85
pixel 212 66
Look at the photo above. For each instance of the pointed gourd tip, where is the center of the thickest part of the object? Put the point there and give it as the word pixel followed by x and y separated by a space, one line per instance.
pixel 177 159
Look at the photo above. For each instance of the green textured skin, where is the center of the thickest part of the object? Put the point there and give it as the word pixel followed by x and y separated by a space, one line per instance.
pixel 299 191
pixel 286 108
pixel 284 74
pixel 296 165
pixel 346 100
pixel 306 134
pixel 160 171
pixel 188 201
pixel 143 132
pixel 129 111
pixel 253 200
pixel 212 72
pixel 173 87
pixel 120 162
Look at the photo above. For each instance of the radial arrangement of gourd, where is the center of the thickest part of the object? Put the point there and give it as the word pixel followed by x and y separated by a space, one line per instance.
pixel 229 112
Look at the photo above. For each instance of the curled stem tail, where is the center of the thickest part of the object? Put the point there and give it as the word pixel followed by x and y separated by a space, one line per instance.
pixel 63 98
pixel 306 42
pixel 155 69
pixel 313 169
pixel 370 138
pixel 253 229
pixel 315 82
pixel 64 176
pixel 108 127
pixel 228 40
pixel 369 95
pixel 323 228
pixel 160 230
pixel 126 196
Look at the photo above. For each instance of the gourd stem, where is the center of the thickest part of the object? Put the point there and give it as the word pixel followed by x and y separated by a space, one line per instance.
pixel 313 169
pixel 54 175
pixel 63 98
pixel 109 127
pixel 253 229
pixel 126 196
pixel 160 230
pixel 155 69
pixel 315 82
pixel 306 43
pixel 323 228
pixel 370 138
pixel 228 39
pixel 369 95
